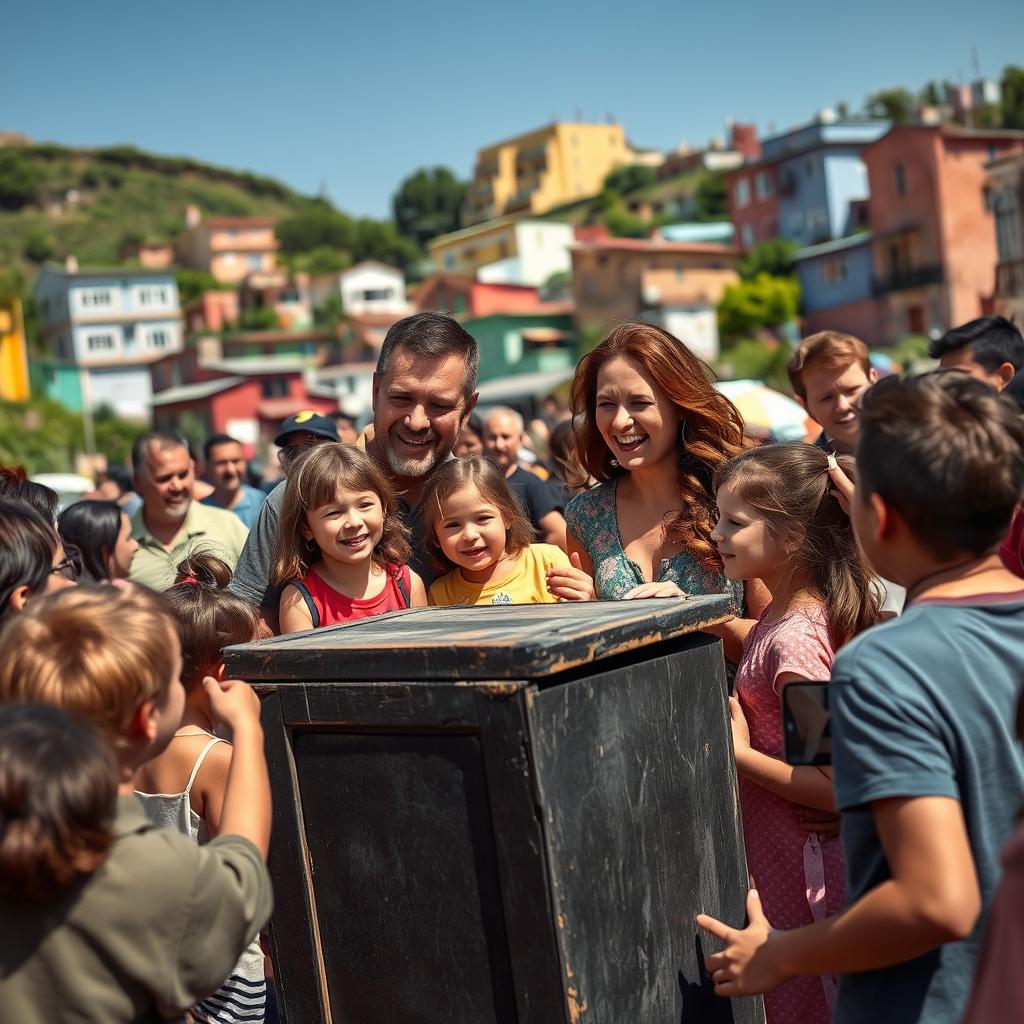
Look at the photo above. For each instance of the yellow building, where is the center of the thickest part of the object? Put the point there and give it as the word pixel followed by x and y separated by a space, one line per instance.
pixel 14 386
pixel 542 169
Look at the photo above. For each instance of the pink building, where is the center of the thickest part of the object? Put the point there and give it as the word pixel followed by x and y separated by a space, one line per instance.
pixel 229 248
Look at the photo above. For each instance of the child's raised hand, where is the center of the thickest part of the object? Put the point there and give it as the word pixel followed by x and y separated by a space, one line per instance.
pixel 232 702
pixel 842 486
pixel 740 729
pixel 571 583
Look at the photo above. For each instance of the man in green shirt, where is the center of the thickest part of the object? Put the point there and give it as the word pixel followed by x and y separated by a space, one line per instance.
pixel 170 524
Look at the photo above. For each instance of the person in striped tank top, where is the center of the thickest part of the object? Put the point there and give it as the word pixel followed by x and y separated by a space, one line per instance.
pixel 183 788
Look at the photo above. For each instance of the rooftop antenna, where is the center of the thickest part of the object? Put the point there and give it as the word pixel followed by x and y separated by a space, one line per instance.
pixel 975 66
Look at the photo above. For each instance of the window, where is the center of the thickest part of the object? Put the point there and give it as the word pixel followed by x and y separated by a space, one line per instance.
pixel 763 184
pixel 747 236
pixel 159 339
pixel 274 387
pixel 376 294
pixel 100 297
pixel 100 342
pixel 833 272
pixel 229 257
pixel 809 167
pixel 795 222
pixel 899 174
pixel 152 296
pixel 680 272
pixel 742 192
pixel 449 261
pixel 254 261
pixel 817 223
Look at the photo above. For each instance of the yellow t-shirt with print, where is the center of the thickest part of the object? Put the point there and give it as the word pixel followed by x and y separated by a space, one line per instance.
pixel 525 584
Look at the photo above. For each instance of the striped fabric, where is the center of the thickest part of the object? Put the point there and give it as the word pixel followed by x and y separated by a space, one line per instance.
pixel 238 1001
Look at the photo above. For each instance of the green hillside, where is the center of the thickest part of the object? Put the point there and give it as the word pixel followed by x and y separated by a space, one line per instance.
pixel 99 203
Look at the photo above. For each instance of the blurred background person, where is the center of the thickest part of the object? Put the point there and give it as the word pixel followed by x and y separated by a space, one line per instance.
pixel 471 437
pixel 503 441
pixel 226 469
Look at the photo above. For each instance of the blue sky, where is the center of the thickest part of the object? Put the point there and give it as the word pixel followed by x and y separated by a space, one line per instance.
pixel 359 95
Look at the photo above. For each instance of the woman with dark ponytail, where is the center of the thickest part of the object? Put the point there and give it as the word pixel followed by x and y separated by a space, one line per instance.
pixel 779 521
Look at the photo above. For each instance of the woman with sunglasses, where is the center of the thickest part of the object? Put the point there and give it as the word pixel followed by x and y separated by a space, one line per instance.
pixel 32 558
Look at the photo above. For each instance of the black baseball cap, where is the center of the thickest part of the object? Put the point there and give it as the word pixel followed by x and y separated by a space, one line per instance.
pixel 307 421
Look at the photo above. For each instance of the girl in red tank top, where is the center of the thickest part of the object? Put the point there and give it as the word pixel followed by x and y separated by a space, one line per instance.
pixel 341 547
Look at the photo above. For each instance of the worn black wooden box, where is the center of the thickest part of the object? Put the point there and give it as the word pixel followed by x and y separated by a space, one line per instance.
pixel 501 814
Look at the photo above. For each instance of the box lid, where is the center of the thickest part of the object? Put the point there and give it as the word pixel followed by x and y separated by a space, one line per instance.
pixel 474 643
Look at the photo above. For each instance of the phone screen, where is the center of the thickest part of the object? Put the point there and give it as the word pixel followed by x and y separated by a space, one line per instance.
pixel 805 723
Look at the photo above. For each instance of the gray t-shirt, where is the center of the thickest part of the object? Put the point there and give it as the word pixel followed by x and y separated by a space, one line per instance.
pixel 251 578
pixel 924 705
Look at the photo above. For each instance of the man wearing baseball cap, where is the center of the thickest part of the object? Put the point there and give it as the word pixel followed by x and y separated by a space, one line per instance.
pixel 301 431
pixel 424 388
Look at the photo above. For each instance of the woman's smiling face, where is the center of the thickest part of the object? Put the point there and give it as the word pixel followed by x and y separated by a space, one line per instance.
pixel 636 419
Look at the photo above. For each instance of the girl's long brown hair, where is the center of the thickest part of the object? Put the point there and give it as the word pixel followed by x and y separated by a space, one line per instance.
pixel 490 482
pixel 313 481
pixel 714 429
pixel 789 485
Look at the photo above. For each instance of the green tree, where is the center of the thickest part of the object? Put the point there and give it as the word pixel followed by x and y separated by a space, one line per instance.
pixel 774 258
pixel 1012 102
pixel 623 224
pixel 749 306
pixel 322 260
pixel 895 105
pixel 20 180
pixel 317 227
pixel 192 284
pixel 712 198
pixel 630 178
pixel 427 204
pixel 557 287
pixel 258 318
pixel 378 240
pixel 38 246
pixel 330 313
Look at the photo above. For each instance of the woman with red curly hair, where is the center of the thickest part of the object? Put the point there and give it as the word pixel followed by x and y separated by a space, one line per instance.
pixel 652 430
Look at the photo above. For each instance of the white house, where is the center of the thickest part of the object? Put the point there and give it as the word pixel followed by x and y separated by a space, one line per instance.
pixel 107 326
pixel 507 251
pixel 367 288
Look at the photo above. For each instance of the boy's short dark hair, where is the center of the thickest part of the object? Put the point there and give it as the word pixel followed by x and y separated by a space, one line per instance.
pixel 947 452
pixel 215 439
pixel 993 340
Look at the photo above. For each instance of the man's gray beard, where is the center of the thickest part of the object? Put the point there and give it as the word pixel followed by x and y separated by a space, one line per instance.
pixel 411 469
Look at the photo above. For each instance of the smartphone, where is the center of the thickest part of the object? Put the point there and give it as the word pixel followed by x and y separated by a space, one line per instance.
pixel 805 723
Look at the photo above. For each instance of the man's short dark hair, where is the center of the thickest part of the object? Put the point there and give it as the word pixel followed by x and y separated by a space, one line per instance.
pixel 161 439
pixel 215 439
pixel 993 340
pixel 947 452
pixel 432 336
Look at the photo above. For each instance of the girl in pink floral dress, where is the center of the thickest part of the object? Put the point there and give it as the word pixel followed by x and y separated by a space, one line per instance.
pixel 778 521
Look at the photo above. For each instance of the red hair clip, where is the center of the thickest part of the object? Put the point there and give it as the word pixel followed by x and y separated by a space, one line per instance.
pixel 187 579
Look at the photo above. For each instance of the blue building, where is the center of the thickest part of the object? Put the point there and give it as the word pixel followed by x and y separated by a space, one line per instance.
pixel 809 185
pixel 101 329
pixel 836 287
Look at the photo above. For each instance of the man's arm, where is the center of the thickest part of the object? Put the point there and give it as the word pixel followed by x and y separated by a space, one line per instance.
pixel 251 579
pixel 552 527
pixel 932 898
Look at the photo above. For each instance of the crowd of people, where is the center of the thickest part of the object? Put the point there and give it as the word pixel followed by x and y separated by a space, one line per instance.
pixel 886 557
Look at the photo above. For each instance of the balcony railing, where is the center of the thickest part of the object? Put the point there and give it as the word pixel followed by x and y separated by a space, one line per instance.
pixel 1010 278
pixel 912 277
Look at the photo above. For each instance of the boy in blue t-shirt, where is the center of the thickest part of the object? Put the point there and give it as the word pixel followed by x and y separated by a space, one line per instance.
pixel 928 774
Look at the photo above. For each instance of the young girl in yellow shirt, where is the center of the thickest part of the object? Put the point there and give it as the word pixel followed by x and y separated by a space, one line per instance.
pixel 475 528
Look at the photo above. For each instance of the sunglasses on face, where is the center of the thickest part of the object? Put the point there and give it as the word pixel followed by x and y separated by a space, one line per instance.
pixel 70 566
